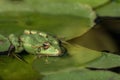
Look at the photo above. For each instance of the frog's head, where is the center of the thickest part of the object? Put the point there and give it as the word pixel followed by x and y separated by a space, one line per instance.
pixel 51 47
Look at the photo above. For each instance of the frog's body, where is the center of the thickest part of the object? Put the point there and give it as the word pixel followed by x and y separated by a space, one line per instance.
pixel 37 43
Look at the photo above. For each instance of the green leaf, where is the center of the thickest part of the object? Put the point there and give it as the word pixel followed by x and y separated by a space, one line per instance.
pixel 77 57
pixel 111 10
pixel 11 68
pixel 116 1
pixel 93 3
pixel 83 75
pixel 25 3
pixel 65 20
pixel 106 61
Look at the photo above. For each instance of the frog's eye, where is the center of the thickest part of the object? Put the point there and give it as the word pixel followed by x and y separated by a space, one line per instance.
pixel 46 45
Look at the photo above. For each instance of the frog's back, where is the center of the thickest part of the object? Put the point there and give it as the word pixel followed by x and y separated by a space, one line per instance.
pixel 32 40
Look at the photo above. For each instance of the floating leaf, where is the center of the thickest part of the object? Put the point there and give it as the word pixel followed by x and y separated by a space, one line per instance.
pixel 106 61
pixel 111 10
pixel 77 56
pixel 12 69
pixel 65 20
pixel 25 3
pixel 93 3
pixel 83 75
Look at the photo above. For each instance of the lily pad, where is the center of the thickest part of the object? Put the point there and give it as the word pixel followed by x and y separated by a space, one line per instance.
pixel 65 20
pixel 11 68
pixel 76 57
pixel 83 75
pixel 93 3
pixel 106 61
pixel 111 10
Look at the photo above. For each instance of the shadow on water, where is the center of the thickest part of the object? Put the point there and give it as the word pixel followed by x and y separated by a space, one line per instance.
pixel 1 78
pixel 104 36
pixel 112 25
pixel 114 69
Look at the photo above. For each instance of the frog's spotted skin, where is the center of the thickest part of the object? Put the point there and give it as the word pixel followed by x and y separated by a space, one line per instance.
pixel 39 43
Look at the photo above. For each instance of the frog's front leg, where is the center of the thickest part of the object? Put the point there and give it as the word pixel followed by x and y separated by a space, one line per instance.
pixel 46 60
pixel 10 50
pixel 45 56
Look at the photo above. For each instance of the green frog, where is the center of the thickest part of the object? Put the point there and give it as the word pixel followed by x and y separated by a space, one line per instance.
pixel 33 42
